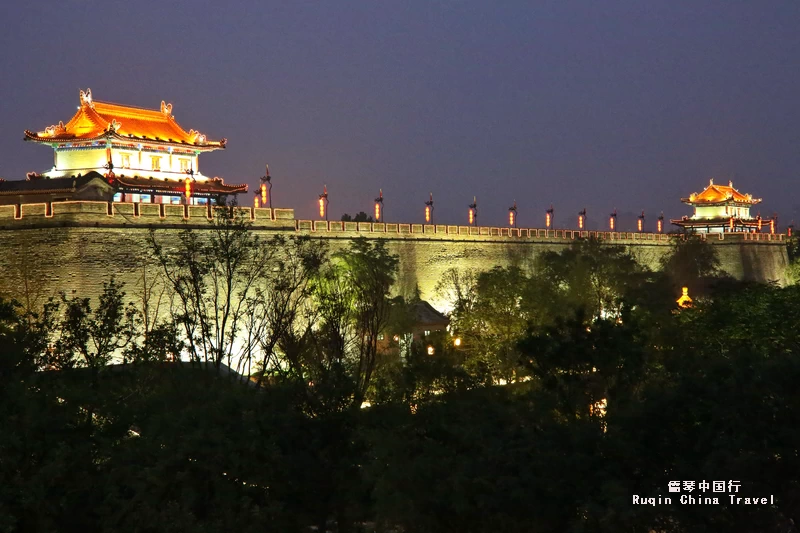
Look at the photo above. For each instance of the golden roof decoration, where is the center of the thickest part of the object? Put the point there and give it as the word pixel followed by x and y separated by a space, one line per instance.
pixel 714 194
pixel 99 120
pixel 685 300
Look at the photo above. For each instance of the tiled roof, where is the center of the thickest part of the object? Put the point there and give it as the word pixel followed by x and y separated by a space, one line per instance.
pixel 205 186
pixel 95 120
pixel 715 194
pixel 40 184
pixel 424 314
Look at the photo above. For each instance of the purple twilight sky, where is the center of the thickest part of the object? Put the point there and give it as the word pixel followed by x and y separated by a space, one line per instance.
pixel 624 104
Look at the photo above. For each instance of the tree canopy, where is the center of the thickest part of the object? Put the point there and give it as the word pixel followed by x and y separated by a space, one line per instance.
pixel 574 387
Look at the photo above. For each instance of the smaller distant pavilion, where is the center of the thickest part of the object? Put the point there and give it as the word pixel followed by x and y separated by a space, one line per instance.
pixel 719 209
pixel 120 153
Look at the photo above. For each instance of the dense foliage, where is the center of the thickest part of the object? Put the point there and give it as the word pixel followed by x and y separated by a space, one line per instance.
pixel 573 389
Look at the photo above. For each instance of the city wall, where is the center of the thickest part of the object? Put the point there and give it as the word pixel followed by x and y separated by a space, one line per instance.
pixel 75 246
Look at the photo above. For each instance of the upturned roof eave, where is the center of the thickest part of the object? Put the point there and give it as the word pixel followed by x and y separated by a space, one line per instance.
pixel 108 136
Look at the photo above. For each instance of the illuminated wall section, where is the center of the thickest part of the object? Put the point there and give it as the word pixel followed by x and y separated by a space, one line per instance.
pixel 721 211
pixel 78 161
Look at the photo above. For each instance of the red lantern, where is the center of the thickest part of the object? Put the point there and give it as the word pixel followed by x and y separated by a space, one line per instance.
pixel 188 187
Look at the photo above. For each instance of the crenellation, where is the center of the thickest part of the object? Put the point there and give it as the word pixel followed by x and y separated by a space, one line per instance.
pixel 126 209
pixel 33 210
pixel 173 211
pixel 198 212
pixel 283 214
pixel 8 212
pixel 150 210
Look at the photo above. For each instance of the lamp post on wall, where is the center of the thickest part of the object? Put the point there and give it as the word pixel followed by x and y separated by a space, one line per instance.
pixel 612 221
pixel 323 203
pixel 473 212
pixel 429 211
pixel 379 206
pixel 266 189
pixel 582 219
pixel 548 218
pixel 640 223
pixel 187 185
pixel 512 215
pixel 661 222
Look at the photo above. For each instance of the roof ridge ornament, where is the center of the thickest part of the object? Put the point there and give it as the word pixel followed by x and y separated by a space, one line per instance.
pixel 113 126
pixel 166 108
pixel 711 181
pixel 197 137
pixel 86 98
pixel 57 129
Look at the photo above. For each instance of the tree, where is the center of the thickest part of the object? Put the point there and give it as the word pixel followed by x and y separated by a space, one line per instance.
pixel 691 263
pixel 91 338
pixel 591 276
pixel 489 316
pixel 282 306
pixel 353 305
pixel 213 275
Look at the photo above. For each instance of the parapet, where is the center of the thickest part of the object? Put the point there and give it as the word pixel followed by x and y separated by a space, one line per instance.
pixel 83 213
pixel 96 213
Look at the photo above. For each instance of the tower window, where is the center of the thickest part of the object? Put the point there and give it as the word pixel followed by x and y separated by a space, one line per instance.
pixel 126 161
pixel 156 162
pixel 184 164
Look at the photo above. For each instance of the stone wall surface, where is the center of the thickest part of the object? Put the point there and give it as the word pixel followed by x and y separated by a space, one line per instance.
pixel 76 246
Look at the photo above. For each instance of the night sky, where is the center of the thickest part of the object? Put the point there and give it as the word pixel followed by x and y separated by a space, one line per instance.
pixel 614 104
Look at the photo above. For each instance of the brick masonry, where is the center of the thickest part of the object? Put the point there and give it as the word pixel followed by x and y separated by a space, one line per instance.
pixel 75 246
